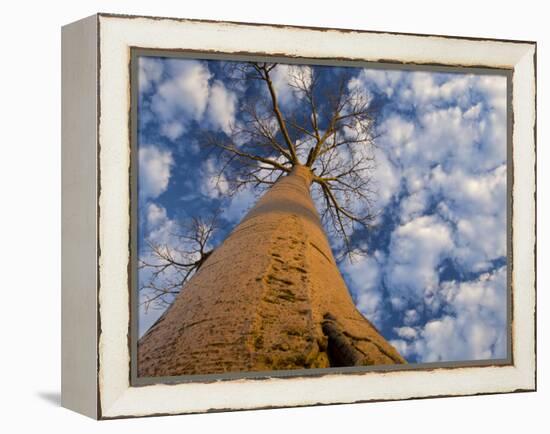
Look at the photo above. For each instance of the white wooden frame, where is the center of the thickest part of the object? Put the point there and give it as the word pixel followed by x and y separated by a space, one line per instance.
pixel 96 217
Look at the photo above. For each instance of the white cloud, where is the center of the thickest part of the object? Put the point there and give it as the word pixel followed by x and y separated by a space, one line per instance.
pixel 455 115
pixel 214 184
pixel 283 78
pixel 221 106
pixel 155 214
pixel 364 274
pixel 406 332
pixel 386 178
pixel 484 193
pixel 386 81
pixel 186 89
pixel 426 89
pixel 183 96
pixel 415 252
pixel 411 317
pixel 280 77
pixel 172 129
pixel 403 347
pixel 494 90
pixel 240 203
pixel 445 136
pixel 154 171
pixel 474 326
pixel 473 112
pixel 477 207
pixel 397 132
pixel 150 71
pixel 414 205
pixel 185 92
pixel 160 230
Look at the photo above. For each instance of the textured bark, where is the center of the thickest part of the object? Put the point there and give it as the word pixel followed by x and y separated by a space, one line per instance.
pixel 270 297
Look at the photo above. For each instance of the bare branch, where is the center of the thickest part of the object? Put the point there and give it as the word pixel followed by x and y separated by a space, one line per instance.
pixel 166 267
pixel 233 149
pixel 329 125
pixel 278 114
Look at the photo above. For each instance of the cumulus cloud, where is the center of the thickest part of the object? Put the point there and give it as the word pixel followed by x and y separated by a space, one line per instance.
pixel 402 346
pixel 406 332
pixel 221 106
pixel 411 317
pixel 440 177
pixel 387 82
pixel 156 215
pixel 416 249
pixel 284 80
pixel 182 96
pixel 159 230
pixel 414 205
pixel 183 91
pixel 386 179
pixel 214 184
pixel 477 207
pixel 445 138
pixel 454 114
pixel 474 327
pixel 154 171
pixel 280 77
pixel 150 71
pixel 364 275
pixel 239 205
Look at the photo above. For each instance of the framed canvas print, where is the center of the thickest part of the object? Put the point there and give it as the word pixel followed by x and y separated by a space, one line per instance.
pixel 261 216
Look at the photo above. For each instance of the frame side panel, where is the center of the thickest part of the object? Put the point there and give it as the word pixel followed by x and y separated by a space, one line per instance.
pixel 79 217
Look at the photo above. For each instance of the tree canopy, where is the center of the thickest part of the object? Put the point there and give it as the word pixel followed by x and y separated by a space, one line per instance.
pixel 328 129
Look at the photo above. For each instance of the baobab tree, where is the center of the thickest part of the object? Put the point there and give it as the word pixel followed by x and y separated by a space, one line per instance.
pixel 271 295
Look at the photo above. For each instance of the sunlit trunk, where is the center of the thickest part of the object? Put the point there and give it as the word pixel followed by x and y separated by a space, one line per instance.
pixel 270 297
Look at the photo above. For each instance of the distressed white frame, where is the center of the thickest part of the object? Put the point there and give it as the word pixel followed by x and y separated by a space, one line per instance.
pixel 115 396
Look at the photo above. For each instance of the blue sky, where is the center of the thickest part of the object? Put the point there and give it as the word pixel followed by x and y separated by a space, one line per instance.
pixel 434 282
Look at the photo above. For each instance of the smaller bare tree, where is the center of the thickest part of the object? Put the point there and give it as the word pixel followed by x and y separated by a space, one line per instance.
pixel 171 264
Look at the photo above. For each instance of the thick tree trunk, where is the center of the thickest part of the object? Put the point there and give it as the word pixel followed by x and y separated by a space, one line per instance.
pixel 270 297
